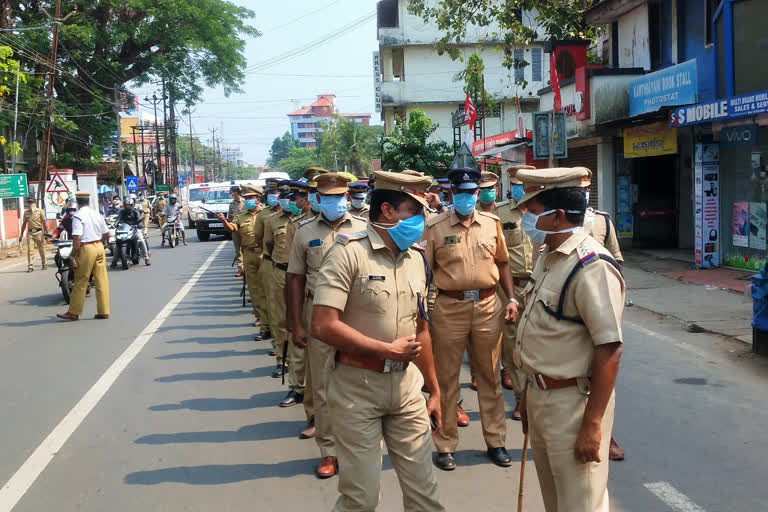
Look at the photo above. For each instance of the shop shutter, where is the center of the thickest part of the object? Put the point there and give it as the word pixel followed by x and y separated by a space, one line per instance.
pixel 585 157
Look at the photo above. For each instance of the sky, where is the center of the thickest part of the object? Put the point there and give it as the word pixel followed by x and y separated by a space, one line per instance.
pixel 342 66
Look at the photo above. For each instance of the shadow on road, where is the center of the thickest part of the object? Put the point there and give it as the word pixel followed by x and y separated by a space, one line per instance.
pixel 268 399
pixel 52 299
pixel 221 474
pixel 480 458
pixel 213 376
pixel 258 432
pixel 213 355
pixel 213 311
pixel 215 341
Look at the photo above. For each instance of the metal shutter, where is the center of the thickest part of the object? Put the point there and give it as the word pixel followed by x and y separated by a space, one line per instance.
pixel 584 157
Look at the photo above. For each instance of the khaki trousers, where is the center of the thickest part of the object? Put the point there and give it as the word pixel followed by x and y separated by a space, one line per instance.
pixel 90 261
pixel 509 338
pixel 369 406
pixel 251 266
pixel 35 241
pixel 238 252
pixel 276 301
pixel 567 485
pixel 262 291
pixel 453 323
pixel 320 357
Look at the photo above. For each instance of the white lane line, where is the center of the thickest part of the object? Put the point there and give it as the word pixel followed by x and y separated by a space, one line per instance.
pixel 26 475
pixel 673 498
pixel 662 337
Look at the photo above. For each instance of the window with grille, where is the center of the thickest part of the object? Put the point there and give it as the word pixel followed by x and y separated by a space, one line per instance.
pixel 519 63
pixel 536 64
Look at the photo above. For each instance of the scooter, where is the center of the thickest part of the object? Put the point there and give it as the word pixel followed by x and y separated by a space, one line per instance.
pixel 112 240
pixel 64 273
pixel 127 249
pixel 172 230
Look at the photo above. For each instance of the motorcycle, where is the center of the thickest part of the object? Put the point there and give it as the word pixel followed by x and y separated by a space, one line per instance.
pixel 64 273
pixel 112 239
pixel 127 249
pixel 172 230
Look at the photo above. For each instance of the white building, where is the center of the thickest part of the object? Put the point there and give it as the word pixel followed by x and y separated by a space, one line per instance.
pixel 414 76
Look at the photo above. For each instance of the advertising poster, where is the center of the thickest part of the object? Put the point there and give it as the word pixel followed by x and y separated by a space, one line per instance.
pixel 757 222
pixel 741 224
pixel 624 194
pixel 707 205
pixel 625 226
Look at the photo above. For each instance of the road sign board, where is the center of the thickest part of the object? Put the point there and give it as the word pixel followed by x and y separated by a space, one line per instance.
pixel 132 182
pixel 57 184
pixel 13 185
pixel 161 187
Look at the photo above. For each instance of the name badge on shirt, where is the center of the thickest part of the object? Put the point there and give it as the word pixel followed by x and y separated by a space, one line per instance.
pixel 451 239
pixel 376 278
pixel 315 243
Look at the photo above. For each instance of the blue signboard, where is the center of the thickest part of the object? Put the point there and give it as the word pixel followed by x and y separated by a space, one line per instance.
pixel 729 108
pixel 743 135
pixel 672 86
pixel 132 183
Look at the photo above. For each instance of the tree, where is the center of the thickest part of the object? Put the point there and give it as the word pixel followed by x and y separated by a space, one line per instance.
pixel 408 147
pixel 185 151
pixel 559 19
pixel 281 146
pixel 343 144
pixel 297 161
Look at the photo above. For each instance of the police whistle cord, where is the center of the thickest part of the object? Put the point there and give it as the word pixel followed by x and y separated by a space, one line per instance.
pixel 522 473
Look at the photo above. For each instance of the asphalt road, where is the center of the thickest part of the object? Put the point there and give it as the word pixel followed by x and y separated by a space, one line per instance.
pixel 169 406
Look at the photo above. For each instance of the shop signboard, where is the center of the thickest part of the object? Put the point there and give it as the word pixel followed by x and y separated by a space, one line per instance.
pixel 653 139
pixel 672 86
pixel 377 80
pixel 707 205
pixel 743 135
pixel 728 108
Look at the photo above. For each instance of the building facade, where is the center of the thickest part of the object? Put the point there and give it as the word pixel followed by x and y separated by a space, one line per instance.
pixel 307 121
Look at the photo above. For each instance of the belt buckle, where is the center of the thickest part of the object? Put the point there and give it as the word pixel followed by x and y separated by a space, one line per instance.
pixel 538 381
pixel 393 366
pixel 473 295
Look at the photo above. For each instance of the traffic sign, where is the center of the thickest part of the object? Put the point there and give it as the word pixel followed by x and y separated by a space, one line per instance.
pixel 132 182
pixel 57 184
pixel 13 185
pixel 161 187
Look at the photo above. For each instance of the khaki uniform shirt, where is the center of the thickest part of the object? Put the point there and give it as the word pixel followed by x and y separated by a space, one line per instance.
pixel 362 212
pixel 236 207
pixel 519 245
pixel 465 258
pixel 276 233
pixel 160 205
pixel 562 348
pixel 35 218
pixel 260 222
pixel 374 289
pixel 314 238
pixel 599 225
pixel 244 223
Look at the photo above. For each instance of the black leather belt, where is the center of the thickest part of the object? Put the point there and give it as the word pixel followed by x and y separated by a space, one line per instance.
pixel 267 257
pixel 281 266
pixel 35 230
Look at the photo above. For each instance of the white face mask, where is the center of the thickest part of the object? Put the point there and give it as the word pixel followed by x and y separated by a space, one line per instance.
pixel 537 236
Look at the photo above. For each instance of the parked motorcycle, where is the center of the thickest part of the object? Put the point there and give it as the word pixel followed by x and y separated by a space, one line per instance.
pixel 64 273
pixel 172 230
pixel 127 248
pixel 111 219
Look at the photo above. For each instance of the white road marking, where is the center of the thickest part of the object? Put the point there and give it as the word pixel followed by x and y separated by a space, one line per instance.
pixel 662 337
pixel 26 475
pixel 673 498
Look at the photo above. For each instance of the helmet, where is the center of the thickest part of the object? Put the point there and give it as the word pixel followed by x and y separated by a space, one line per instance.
pixel 129 202
pixel 172 198
pixel 71 204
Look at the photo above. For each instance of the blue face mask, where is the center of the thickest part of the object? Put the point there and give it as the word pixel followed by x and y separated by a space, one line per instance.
pixel 537 235
pixel 464 202
pixel 406 232
pixel 295 210
pixel 487 195
pixel 285 204
pixel 250 204
pixel 333 207
pixel 357 203
pixel 518 191
pixel 272 200
pixel 313 202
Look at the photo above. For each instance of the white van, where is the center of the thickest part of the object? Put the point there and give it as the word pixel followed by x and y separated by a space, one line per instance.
pixel 198 193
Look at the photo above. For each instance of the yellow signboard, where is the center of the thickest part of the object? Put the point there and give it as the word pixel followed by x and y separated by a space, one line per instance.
pixel 654 139
pixel 127 124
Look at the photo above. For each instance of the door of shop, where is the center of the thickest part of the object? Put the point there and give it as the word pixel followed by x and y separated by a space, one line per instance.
pixel 655 182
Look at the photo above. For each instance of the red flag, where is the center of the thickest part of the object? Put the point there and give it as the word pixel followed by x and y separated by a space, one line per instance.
pixel 554 81
pixel 470 113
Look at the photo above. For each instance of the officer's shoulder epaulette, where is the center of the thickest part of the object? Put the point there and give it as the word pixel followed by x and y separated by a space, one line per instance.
pixel 586 254
pixel 604 214
pixel 307 221
pixel 502 203
pixel 439 217
pixel 489 214
pixel 419 246
pixel 345 239
pixel 298 219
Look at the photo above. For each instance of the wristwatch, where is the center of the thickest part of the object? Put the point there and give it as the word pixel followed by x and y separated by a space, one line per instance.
pixel 513 300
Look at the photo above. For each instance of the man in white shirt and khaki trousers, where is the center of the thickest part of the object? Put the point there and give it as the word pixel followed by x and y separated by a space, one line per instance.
pixel 90 234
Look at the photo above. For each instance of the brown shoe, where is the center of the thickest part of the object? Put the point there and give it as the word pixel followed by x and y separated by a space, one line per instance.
pixel 473 384
pixel 615 452
pixel 516 415
pixel 101 317
pixel 506 381
pixel 462 419
pixel 239 273
pixel 68 316
pixel 307 433
pixel 328 467
pixel 147 262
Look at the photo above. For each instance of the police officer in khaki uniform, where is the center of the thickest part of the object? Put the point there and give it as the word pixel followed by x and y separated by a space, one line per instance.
pixel 313 239
pixel 146 210
pixel 265 270
pixel 468 256
pixel 159 208
pixel 521 253
pixel 276 244
pixel 243 224
pixel 236 207
pixel 34 219
pixel 369 300
pixel 358 192
pixel 569 343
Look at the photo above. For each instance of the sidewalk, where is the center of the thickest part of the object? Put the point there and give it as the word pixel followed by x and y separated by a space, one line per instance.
pixel 702 300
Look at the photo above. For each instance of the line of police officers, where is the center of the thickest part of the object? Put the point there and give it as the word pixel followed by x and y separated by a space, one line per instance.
pixel 351 295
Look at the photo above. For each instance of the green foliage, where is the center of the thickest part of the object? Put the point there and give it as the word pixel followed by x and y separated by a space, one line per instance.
pixel 281 146
pixel 343 145
pixel 297 161
pixel 473 82
pixel 559 19
pixel 408 147
pixel 201 150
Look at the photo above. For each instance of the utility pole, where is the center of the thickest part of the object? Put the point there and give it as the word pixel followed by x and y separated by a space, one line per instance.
pixel 213 153
pixel 120 143
pixel 191 144
pixel 155 101
pixel 57 21
pixel 15 121
pixel 168 173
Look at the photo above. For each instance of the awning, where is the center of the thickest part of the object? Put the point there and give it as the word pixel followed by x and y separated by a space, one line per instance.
pixel 104 188
pixel 500 149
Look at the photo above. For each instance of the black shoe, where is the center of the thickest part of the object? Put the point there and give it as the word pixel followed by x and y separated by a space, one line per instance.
pixel 45 266
pixel 30 269
pixel 113 265
pixel 273 353
pixel 291 399
pixel 500 457
pixel 278 372
pixel 262 336
pixel 446 461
